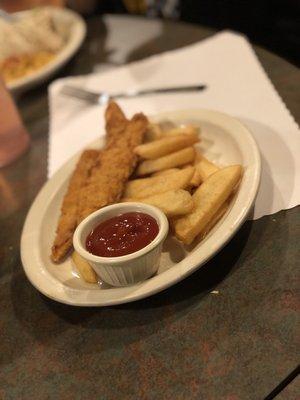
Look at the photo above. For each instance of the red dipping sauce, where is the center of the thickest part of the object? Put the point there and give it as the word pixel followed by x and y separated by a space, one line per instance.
pixel 122 235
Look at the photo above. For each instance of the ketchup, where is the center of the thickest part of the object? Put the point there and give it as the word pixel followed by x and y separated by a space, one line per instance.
pixel 122 235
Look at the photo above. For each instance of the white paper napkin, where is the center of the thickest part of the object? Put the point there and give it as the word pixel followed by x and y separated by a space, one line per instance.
pixel 237 84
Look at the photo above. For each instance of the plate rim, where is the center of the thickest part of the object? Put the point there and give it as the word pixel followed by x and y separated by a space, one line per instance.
pixel 218 245
pixel 61 58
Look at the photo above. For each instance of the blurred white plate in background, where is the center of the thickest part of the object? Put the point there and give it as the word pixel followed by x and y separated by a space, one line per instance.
pixel 77 30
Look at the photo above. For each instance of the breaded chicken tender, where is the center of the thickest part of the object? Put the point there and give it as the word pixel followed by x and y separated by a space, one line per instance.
pixel 100 175
pixel 116 163
pixel 69 211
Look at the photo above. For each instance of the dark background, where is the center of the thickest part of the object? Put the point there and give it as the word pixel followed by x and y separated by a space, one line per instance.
pixel 273 24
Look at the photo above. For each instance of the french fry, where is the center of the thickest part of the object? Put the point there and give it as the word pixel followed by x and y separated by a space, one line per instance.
pixel 172 203
pixel 166 172
pixel 203 169
pixel 186 129
pixel 196 179
pixel 167 145
pixel 198 156
pixel 176 159
pixel 208 198
pixel 141 188
pixel 222 210
pixel 85 270
pixel 153 132
pixel 206 168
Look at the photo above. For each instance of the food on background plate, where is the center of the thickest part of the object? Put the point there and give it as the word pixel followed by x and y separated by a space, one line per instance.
pixel 193 192
pixel 18 66
pixel 28 42
pixel 121 235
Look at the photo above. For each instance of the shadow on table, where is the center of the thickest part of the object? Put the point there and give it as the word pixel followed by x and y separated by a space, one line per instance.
pixel 179 296
pixel 188 291
pixel 43 322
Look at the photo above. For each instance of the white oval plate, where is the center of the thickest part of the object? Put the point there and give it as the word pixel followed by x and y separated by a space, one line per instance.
pixel 224 140
pixel 77 30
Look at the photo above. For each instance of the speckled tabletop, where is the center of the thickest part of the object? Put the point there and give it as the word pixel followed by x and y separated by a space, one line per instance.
pixel 292 391
pixel 228 332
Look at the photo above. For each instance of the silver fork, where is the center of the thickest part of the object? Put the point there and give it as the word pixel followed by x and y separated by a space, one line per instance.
pixel 104 97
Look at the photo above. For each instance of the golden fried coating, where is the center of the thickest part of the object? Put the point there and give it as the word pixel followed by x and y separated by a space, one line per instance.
pixel 100 176
pixel 115 122
pixel 69 211
pixel 116 163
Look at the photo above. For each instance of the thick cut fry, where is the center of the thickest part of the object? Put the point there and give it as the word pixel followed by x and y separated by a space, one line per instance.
pixel 70 207
pixel 153 132
pixel 162 147
pixel 159 131
pixel 166 172
pixel 208 199
pixel 141 188
pixel 172 203
pixel 206 168
pixel 85 270
pixel 216 218
pixel 203 169
pixel 176 159
pixel 196 179
pixel 187 129
pixel 198 156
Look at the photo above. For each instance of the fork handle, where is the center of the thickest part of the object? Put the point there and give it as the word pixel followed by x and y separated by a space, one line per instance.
pixel 103 98
pixel 135 93
pixel 81 94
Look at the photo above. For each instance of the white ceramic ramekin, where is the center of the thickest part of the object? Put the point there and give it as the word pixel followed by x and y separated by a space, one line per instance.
pixel 129 269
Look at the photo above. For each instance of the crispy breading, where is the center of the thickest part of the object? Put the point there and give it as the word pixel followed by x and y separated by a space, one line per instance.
pixel 100 176
pixel 69 211
pixel 116 163
pixel 115 122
